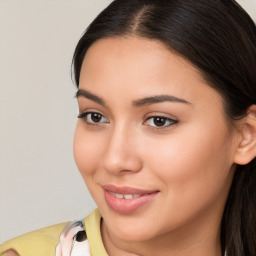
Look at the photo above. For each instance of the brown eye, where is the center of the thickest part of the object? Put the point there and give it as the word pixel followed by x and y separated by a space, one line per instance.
pixel 93 118
pixel 160 121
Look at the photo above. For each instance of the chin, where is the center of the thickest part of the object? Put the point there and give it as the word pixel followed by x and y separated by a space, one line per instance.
pixel 132 235
pixel 130 229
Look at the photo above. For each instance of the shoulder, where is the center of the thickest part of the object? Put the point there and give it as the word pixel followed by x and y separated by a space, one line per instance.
pixel 28 244
pixel 82 237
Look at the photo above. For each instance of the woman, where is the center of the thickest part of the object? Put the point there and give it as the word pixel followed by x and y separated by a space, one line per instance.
pixel 166 133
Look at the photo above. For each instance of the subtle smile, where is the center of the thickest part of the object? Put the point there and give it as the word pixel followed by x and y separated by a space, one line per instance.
pixel 127 196
pixel 125 199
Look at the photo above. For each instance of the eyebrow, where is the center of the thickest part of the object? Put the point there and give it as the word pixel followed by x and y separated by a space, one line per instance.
pixel 136 103
pixel 90 96
pixel 158 99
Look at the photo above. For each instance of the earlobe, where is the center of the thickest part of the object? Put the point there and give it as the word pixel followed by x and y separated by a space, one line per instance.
pixel 246 148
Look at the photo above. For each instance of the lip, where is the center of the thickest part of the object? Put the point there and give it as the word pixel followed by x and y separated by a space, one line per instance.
pixel 126 206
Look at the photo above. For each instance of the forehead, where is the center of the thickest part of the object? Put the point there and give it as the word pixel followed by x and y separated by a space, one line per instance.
pixel 133 53
pixel 140 67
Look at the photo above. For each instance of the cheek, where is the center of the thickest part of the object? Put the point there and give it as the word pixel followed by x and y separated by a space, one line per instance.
pixel 193 176
pixel 190 160
pixel 87 150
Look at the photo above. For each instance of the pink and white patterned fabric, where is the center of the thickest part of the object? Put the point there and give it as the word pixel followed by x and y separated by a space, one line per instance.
pixel 73 241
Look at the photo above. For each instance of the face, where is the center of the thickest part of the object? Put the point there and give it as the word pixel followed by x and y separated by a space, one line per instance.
pixel 152 142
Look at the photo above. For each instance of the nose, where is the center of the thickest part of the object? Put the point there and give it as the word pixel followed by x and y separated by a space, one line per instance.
pixel 122 152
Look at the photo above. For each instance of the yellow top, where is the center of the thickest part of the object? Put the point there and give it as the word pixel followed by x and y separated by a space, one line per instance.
pixel 43 242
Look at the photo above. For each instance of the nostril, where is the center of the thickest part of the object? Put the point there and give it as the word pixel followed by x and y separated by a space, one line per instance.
pixel 126 171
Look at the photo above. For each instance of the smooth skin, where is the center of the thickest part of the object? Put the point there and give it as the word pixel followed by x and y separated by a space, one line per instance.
pixel 188 155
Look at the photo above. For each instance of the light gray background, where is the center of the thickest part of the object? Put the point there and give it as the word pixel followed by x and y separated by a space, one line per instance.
pixel 39 182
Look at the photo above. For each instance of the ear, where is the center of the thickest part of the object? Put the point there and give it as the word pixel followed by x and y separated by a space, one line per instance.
pixel 246 149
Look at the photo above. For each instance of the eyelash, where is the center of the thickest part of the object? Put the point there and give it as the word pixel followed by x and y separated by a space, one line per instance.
pixel 163 119
pixel 85 115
